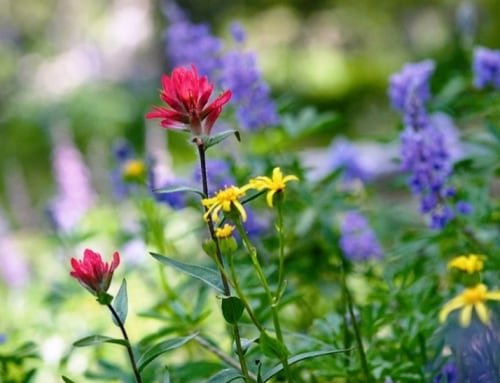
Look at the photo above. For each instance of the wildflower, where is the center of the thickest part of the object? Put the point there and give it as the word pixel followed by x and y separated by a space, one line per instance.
pixel 470 264
pixel 94 274
pixel 471 298
pixel 224 231
pixel 276 184
pixel 424 153
pixel 134 170
pixel 225 200
pixel 189 43
pixel 357 240
pixel 486 67
pixel 187 95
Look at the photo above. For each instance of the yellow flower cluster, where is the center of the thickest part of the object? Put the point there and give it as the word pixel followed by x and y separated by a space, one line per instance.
pixel 224 231
pixel 473 298
pixel 224 200
pixel 470 264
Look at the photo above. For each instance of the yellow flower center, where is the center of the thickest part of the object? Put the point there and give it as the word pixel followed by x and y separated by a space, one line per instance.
pixel 134 169
pixel 230 194
pixel 476 294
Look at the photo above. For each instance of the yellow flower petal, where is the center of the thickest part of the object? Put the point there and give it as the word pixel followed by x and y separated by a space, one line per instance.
pixel 482 312
pixel 452 305
pixel 465 316
pixel 269 198
pixel 241 209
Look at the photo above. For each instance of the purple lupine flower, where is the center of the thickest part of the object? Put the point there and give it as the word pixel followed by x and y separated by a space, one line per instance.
pixel 486 68
pixel 424 154
pixel 357 240
pixel 448 374
pixel 75 194
pixel 413 77
pixel 188 43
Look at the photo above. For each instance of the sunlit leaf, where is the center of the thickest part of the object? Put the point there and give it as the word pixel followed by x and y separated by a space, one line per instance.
pixel 120 303
pixel 297 358
pixel 225 376
pixel 160 348
pixel 98 339
pixel 209 276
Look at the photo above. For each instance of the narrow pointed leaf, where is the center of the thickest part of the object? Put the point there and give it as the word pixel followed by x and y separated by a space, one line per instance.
pixel 225 376
pixel 214 140
pixel 209 276
pixel 178 188
pixel 297 358
pixel 67 380
pixel 160 348
pixel 232 309
pixel 98 339
pixel 120 303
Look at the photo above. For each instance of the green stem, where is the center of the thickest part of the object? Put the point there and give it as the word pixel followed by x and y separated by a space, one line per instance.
pixel 241 295
pixel 357 332
pixel 220 264
pixel 274 307
pixel 137 375
pixel 281 238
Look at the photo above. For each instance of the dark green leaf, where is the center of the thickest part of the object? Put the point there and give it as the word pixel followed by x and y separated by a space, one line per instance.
pixel 493 130
pixel 209 276
pixel 98 339
pixel 160 348
pixel 297 358
pixel 225 376
pixel 120 303
pixel 178 188
pixel 232 309
pixel 67 380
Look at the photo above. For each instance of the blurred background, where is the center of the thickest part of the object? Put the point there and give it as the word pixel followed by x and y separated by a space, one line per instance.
pixel 76 77
pixel 87 71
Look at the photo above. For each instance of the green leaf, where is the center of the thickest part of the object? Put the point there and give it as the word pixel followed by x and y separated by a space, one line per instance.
pixel 160 348
pixel 214 140
pixel 120 304
pixel 166 376
pixel 225 376
pixel 232 309
pixel 67 380
pixel 300 357
pixel 178 188
pixel 209 276
pixel 98 339
pixel 493 130
pixel 272 347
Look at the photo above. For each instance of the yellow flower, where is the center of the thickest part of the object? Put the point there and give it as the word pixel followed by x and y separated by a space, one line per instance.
pixel 470 264
pixel 224 231
pixel 134 170
pixel 275 184
pixel 224 200
pixel 471 298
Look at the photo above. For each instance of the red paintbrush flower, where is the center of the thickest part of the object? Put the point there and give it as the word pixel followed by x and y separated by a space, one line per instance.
pixel 94 274
pixel 187 95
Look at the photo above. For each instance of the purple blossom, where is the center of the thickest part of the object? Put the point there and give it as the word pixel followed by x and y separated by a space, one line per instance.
pixel 188 43
pixel 413 78
pixel 448 374
pixel 486 68
pixel 75 195
pixel 357 240
pixel 251 95
pixel 424 153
